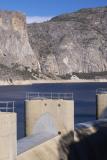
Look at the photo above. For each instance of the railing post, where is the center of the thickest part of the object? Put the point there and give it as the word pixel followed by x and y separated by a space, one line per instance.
pixel 13 107
pixel 6 106
pixel 9 106
pixel 51 95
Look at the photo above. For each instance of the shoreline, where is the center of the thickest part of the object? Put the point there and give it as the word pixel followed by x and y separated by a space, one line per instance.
pixel 30 82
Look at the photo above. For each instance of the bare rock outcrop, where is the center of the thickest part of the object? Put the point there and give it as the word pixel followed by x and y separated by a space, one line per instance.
pixel 74 42
pixel 15 49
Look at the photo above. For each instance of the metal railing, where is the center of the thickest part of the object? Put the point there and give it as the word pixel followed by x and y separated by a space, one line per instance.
pixel 49 95
pixel 101 91
pixel 7 106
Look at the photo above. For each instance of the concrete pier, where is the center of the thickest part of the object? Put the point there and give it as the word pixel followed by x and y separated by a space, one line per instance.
pixel 49 115
pixel 8 136
pixel 101 104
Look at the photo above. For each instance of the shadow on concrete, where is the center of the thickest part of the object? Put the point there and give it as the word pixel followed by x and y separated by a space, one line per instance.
pixel 104 114
pixel 88 147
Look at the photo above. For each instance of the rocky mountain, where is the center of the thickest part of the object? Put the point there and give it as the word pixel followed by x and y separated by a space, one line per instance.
pixel 16 54
pixel 69 43
pixel 73 42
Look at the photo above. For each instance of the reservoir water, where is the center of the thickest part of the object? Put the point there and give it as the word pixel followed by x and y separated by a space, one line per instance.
pixel 84 96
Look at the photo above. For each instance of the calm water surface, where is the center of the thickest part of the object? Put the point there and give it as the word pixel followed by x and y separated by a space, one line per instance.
pixel 84 96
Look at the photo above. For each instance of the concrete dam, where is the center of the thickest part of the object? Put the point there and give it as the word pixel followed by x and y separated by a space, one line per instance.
pixel 49 120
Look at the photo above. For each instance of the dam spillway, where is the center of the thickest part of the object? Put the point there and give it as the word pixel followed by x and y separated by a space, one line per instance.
pixel 47 149
pixel 48 116
pixel 43 134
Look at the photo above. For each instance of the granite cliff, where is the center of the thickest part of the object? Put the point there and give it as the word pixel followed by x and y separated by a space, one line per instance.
pixel 69 43
pixel 73 42
pixel 17 58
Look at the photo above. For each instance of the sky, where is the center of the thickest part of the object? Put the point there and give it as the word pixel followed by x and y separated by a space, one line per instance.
pixel 42 10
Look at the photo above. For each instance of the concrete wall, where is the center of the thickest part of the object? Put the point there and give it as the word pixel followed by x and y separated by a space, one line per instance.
pixel 101 106
pixel 62 111
pixel 45 151
pixel 8 136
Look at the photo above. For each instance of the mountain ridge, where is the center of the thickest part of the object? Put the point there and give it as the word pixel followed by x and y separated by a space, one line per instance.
pixel 74 42
pixel 71 43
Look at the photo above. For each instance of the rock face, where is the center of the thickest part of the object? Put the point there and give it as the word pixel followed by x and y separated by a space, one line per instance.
pixel 15 50
pixel 74 42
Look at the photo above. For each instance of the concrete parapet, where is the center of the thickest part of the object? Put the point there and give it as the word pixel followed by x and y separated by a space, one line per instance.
pixel 61 111
pixel 45 151
pixel 8 139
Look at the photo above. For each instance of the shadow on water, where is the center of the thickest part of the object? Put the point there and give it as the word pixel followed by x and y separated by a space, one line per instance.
pixel 88 147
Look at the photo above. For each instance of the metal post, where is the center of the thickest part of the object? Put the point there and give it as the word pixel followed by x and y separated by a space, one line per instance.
pixel 13 106
pixel 6 106
pixel 38 94
pixel 51 95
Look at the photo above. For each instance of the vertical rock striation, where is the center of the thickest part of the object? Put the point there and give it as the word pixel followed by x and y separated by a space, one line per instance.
pixel 15 49
pixel 74 42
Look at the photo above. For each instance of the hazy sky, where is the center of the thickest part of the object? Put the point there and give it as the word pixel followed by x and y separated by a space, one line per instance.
pixel 44 9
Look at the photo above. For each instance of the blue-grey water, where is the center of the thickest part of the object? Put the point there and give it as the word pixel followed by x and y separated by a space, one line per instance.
pixel 84 96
